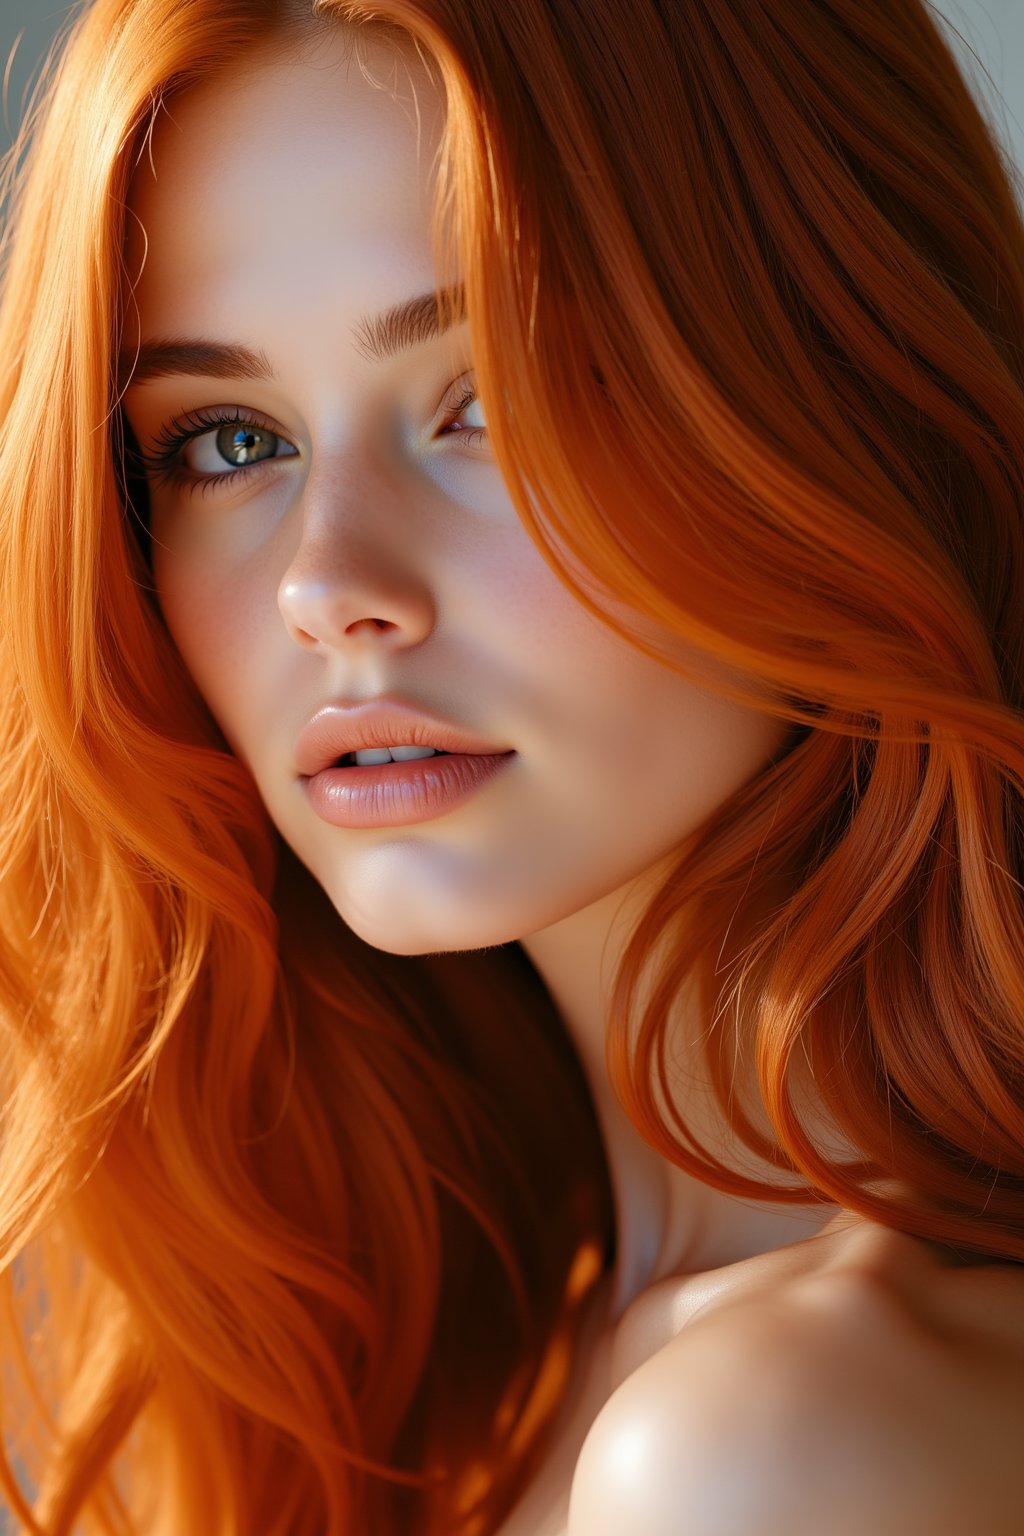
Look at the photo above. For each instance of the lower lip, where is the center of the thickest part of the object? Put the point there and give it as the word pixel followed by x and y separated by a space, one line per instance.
pixel 400 794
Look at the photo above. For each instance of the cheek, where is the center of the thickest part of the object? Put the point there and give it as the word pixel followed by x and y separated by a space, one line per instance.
pixel 630 711
pixel 667 759
pixel 653 753
pixel 214 620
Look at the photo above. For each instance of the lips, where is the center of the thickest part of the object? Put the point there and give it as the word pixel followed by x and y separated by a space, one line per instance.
pixel 336 730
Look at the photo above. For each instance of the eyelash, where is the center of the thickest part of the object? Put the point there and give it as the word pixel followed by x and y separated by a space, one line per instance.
pixel 162 463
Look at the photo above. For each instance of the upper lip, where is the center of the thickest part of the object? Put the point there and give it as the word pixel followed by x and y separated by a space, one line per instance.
pixel 337 728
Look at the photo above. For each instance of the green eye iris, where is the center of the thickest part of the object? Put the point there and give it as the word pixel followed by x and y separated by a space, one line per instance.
pixel 245 444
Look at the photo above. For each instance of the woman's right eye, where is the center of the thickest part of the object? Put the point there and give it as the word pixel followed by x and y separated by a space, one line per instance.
pixel 212 449
pixel 232 447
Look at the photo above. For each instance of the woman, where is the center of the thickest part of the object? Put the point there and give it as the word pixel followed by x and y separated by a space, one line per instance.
pixel 702 568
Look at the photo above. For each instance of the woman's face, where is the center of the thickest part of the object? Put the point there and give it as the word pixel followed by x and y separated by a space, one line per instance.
pixel 366 548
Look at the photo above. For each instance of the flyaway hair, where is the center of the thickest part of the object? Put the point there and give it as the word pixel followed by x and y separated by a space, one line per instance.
pixel 294 1235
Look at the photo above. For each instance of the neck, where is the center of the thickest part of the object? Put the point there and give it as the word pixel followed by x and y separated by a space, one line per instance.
pixel 667 1221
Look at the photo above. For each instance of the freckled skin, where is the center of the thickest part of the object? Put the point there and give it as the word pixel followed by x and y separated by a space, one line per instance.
pixel 286 204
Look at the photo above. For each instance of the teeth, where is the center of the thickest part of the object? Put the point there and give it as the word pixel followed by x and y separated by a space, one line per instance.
pixel 367 757
pixel 408 754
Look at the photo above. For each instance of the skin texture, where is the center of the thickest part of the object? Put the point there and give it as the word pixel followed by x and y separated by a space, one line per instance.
pixel 378 553
pixel 860 1383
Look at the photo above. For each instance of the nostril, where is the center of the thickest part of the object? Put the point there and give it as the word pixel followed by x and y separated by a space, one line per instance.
pixel 376 623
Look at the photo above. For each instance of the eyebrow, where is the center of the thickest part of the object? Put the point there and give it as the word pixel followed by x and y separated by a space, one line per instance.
pixel 377 338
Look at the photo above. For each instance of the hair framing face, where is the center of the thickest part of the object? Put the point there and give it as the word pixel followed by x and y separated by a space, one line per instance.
pixel 787 309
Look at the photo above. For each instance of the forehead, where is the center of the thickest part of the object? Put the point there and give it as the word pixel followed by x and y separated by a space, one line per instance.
pixel 295 170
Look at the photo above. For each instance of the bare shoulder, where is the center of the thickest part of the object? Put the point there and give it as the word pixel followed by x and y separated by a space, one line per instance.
pixel 874 1393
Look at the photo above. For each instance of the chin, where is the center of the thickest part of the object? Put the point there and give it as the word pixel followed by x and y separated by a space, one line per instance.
pixel 408 932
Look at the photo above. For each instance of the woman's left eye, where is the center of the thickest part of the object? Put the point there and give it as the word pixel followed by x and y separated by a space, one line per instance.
pixel 211 448
pixel 465 400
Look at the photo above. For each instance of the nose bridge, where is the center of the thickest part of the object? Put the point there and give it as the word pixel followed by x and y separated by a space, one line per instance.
pixel 355 569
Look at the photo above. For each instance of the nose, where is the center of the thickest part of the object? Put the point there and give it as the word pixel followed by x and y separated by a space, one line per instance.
pixel 350 584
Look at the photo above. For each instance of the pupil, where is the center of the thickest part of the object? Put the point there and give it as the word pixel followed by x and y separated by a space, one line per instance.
pixel 241 445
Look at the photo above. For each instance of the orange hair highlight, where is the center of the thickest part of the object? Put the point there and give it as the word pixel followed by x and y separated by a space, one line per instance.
pixel 757 331
pixel 293 1247
pixel 279 1217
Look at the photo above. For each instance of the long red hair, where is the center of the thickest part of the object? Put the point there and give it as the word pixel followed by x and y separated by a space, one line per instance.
pixel 295 1234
